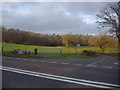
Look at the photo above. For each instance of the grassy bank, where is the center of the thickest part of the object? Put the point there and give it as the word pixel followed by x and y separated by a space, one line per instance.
pixel 108 50
pixel 43 51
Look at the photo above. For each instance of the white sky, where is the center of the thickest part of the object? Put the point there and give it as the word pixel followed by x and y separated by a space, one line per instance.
pixel 52 17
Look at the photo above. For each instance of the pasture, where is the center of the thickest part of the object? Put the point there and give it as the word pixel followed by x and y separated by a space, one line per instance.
pixel 108 50
pixel 49 52
pixel 43 51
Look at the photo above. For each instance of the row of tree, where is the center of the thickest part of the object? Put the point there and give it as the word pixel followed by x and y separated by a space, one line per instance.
pixel 102 40
pixel 30 38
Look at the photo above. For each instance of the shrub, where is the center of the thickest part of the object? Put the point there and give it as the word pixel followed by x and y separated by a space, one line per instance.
pixel 15 51
pixel 89 53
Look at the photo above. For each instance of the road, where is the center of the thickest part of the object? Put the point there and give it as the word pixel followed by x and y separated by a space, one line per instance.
pixel 102 69
pixel 26 81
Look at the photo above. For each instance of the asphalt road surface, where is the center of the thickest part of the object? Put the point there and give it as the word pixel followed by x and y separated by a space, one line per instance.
pixel 26 81
pixel 94 71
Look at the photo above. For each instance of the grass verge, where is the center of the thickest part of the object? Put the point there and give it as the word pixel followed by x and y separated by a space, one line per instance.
pixel 43 51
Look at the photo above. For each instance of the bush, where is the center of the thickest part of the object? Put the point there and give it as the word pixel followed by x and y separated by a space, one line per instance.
pixel 15 51
pixel 89 53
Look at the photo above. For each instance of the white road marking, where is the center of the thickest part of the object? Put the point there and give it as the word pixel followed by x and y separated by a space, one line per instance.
pixel 24 59
pixel 101 60
pixel 92 66
pixel 116 63
pixel 95 62
pixel 109 67
pixel 53 62
pixel 61 78
pixel 64 63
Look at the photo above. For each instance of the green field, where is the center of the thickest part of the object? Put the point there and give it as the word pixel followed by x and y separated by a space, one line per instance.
pixel 111 50
pixel 43 51
pixel 49 52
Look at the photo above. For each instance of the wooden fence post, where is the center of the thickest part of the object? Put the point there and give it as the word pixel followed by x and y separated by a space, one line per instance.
pixel 2 49
pixel 35 50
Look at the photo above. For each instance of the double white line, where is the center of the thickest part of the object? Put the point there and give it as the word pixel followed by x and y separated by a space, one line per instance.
pixel 62 78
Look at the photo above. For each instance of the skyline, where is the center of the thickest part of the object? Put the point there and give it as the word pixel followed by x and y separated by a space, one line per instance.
pixel 52 17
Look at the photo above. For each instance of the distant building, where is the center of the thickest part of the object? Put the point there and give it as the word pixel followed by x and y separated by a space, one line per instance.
pixel 78 45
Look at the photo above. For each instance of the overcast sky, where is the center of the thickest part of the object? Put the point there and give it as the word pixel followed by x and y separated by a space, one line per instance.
pixel 51 17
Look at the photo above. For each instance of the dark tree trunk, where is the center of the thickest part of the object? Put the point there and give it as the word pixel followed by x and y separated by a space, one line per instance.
pixel 119 25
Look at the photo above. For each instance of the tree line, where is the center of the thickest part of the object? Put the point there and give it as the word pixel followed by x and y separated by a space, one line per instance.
pixel 30 38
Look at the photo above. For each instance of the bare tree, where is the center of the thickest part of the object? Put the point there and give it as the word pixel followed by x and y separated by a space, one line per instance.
pixel 109 17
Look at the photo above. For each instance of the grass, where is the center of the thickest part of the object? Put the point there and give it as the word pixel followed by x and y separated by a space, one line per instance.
pixel 50 52
pixel 43 51
pixel 109 50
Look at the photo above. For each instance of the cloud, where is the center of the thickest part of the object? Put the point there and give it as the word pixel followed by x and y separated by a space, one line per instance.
pixel 60 1
pixel 51 17
pixel 88 19
pixel 67 13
